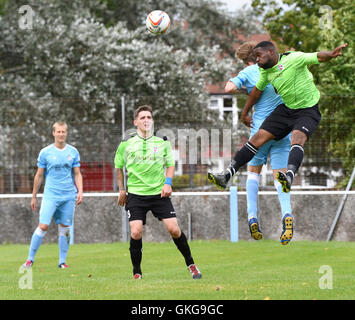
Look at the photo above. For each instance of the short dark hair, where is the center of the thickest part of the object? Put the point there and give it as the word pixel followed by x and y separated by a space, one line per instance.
pixel 144 107
pixel 265 45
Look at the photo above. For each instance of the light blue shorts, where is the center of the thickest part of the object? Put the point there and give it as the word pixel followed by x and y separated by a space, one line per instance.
pixel 61 210
pixel 278 150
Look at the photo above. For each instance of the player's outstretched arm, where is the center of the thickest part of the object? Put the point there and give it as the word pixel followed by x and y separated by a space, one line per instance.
pixel 254 96
pixel 325 56
pixel 233 89
pixel 230 88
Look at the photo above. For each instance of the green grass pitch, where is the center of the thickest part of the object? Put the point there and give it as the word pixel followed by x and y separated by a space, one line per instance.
pixel 246 270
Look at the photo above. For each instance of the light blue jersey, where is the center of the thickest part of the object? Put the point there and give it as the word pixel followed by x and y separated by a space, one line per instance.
pixel 59 176
pixel 268 101
pixel 266 104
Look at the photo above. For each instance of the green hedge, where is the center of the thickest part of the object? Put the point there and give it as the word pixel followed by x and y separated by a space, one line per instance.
pixel 183 181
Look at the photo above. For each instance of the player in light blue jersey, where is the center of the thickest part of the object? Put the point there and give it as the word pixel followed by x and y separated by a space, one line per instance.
pixel 278 150
pixel 59 164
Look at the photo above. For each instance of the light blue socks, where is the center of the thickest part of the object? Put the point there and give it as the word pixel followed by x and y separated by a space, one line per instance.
pixel 252 187
pixel 252 194
pixel 284 198
pixel 63 241
pixel 35 243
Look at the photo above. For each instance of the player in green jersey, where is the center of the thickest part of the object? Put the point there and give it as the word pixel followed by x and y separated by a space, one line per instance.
pixel 145 157
pixel 299 114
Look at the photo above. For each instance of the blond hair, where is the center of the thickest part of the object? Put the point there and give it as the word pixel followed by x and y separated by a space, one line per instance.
pixel 245 52
pixel 59 123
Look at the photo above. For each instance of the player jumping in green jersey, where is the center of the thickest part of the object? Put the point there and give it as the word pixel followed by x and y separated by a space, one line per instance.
pixel 145 157
pixel 299 113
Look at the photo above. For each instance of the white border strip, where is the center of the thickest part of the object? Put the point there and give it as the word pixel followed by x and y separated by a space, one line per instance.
pixel 180 194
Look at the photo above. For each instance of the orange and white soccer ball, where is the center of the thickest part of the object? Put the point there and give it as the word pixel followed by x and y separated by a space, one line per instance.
pixel 158 22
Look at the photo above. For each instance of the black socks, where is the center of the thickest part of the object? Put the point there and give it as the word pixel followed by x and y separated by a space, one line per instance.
pixel 243 156
pixel 183 246
pixel 136 252
pixel 136 255
pixel 247 152
pixel 295 159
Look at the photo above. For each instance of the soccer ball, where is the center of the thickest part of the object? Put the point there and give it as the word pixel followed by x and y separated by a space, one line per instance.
pixel 158 22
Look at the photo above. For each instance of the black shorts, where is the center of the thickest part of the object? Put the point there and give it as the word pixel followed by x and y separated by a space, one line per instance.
pixel 283 120
pixel 137 207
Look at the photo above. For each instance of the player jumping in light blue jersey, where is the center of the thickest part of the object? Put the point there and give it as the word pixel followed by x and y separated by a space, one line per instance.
pixel 278 150
pixel 59 164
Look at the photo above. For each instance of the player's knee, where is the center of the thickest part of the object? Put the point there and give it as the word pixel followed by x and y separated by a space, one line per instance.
pixel 175 232
pixel 43 227
pixel 63 226
pixel 136 234
pixel 64 230
pixel 261 137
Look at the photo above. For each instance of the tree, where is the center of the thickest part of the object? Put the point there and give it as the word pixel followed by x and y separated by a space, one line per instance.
pixel 202 22
pixel 77 60
pixel 321 25
pixel 78 49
